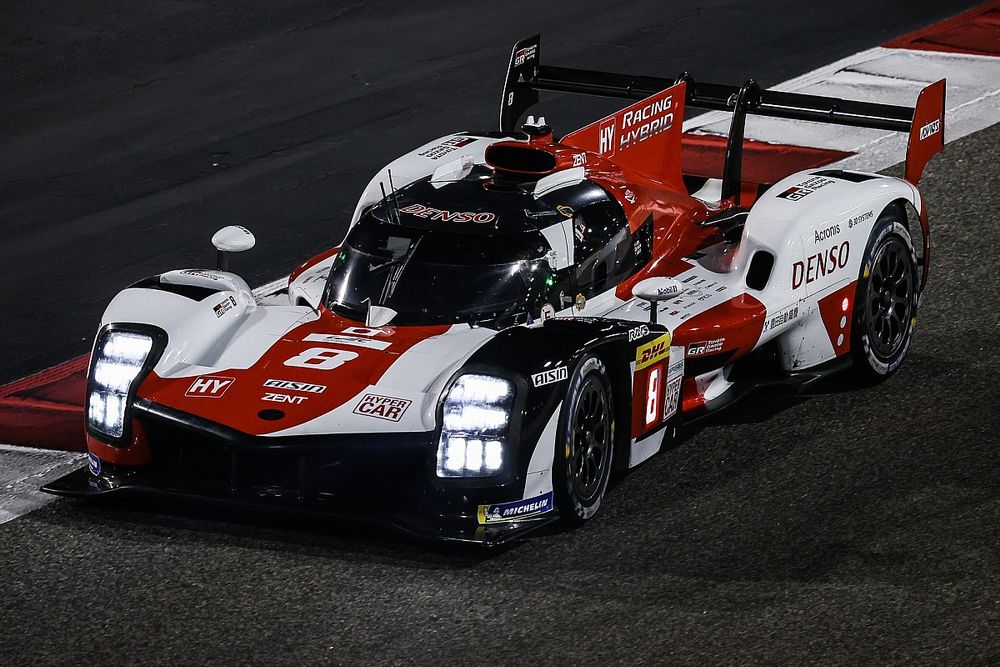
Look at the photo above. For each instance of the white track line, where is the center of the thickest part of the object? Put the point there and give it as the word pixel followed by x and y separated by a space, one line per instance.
pixel 23 470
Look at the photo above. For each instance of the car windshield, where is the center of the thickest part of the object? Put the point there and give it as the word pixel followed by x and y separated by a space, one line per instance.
pixel 438 277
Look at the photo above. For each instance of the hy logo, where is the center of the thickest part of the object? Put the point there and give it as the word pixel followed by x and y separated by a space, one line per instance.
pixel 209 386
pixel 606 137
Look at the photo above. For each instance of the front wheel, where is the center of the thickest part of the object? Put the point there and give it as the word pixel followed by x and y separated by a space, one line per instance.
pixel 885 306
pixel 582 464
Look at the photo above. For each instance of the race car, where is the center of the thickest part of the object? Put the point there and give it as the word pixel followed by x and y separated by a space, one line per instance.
pixel 513 318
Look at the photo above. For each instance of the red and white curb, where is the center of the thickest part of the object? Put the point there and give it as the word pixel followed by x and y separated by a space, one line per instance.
pixel 46 409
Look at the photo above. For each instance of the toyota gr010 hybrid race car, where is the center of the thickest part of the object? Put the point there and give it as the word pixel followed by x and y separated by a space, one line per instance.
pixel 512 318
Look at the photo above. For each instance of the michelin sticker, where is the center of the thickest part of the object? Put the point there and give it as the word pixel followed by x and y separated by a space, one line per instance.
pixel 516 510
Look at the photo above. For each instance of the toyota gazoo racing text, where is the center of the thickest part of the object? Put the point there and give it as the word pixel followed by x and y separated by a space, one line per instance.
pixel 512 318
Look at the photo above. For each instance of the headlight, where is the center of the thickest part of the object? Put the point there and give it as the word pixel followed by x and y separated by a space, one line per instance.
pixel 118 358
pixel 474 427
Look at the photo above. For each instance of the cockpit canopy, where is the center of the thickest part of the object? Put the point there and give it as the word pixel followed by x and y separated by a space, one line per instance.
pixel 434 258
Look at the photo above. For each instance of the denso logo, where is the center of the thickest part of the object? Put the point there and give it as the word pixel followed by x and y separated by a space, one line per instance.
pixel 930 129
pixel 383 407
pixel 209 386
pixel 821 264
pixel 421 211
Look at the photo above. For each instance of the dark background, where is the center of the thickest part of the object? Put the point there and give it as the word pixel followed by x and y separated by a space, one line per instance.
pixel 131 131
pixel 849 525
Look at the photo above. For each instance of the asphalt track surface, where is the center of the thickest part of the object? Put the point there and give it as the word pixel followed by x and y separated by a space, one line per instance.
pixel 848 525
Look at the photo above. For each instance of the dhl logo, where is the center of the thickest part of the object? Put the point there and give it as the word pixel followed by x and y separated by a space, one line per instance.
pixel 649 353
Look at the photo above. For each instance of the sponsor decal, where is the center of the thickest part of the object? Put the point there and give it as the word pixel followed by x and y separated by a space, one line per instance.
pixel 224 306
pixel 291 385
pixel 649 353
pixel 94 464
pixel 445 147
pixel 421 211
pixel 550 376
pixel 820 235
pixel 364 331
pixel 209 386
pixel 705 347
pixel 564 210
pixel 630 196
pixel 782 318
pixel 637 126
pixel 338 339
pixel 675 373
pixel 579 229
pixel 548 311
pixel 606 137
pixel 930 129
pixel 579 159
pixel 382 407
pixel 638 332
pixel 806 188
pixel 525 54
pixel 645 122
pixel 857 220
pixel 821 264
pixel 517 510
pixel 580 302
pixel 201 274
pixel 283 398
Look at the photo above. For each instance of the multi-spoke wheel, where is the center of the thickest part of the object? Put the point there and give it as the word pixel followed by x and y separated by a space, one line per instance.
pixel 886 300
pixel 583 465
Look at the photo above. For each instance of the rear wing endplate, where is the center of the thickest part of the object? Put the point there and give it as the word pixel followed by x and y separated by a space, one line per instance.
pixel 924 122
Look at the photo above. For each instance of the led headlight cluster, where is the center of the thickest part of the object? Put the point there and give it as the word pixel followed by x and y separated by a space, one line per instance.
pixel 476 417
pixel 118 358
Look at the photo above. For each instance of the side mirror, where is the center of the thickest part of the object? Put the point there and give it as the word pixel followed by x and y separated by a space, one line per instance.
pixel 231 239
pixel 655 290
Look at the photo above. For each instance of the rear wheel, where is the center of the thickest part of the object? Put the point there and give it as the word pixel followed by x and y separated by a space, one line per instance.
pixel 585 447
pixel 885 305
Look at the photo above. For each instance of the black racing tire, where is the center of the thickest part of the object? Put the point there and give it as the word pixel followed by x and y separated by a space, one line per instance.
pixel 885 300
pixel 585 446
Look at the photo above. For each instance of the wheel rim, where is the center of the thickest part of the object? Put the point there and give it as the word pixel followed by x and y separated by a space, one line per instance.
pixel 889 303
pixel 591 440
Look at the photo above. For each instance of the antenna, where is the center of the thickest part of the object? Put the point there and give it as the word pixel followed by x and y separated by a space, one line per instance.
pixel 385 202
pixel 395 201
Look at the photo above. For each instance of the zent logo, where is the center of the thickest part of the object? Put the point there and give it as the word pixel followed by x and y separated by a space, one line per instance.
pixel 383 407
pixel 321 358
pixel 209 386
pixel 283 398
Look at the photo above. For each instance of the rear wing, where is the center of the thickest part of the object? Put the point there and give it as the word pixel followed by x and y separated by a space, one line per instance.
pixel 924 122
